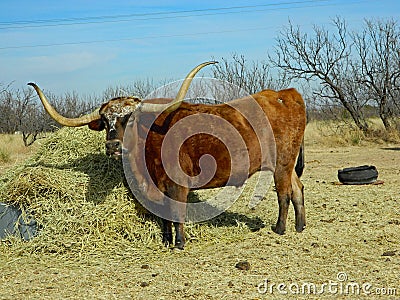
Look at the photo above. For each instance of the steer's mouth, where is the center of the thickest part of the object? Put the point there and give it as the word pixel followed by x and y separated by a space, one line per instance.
pixel 116 155
pixel 114 149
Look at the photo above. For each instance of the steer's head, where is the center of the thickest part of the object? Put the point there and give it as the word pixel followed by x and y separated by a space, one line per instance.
pixel 114 114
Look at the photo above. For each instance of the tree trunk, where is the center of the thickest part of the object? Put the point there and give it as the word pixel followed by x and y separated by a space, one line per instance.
pixel 384 113
pixel 356 116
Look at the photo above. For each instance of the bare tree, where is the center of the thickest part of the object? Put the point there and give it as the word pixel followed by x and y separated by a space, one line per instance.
pixel 250 76
pixel 323 56
pixel 18 114
pixel 139 88
pixel 7 117
pixel 354 70
pixel 72 105
pixel 378 50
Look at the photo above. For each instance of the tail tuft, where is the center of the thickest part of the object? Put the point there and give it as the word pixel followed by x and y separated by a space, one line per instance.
pixel 299 168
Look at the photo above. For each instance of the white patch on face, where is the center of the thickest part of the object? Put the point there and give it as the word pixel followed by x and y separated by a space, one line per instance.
pixel 112 123
pixel 118 109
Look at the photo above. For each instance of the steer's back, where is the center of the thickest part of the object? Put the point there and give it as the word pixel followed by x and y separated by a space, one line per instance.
pixel 286 114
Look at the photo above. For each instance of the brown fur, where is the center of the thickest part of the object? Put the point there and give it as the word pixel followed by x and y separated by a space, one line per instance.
pixel 285 110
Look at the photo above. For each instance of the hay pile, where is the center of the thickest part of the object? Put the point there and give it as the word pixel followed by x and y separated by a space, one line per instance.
pixel 77 196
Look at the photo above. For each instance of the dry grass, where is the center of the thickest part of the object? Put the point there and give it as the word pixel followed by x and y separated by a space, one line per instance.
pixel 97 243
pixel 339 133
pixel 77 196
pixel 13 151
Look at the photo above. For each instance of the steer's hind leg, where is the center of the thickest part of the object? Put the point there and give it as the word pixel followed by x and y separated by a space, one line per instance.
pixel 298 203
pixel 283 201
pixel 178 195
pixel 284 192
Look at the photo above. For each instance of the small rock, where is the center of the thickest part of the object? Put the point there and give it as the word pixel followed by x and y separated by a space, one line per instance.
pixel 389 253
pixel 328 221
pixel 145 267
pixel 230 284
pixel 144 284
pixel 243 265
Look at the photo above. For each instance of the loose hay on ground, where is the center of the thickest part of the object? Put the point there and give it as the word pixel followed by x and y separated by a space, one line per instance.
pixel 77 196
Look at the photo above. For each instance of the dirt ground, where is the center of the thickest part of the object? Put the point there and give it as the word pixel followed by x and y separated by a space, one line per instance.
pixel 350 248
pixel 13 151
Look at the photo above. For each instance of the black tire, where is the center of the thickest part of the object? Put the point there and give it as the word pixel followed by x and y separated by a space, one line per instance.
pixel 358 175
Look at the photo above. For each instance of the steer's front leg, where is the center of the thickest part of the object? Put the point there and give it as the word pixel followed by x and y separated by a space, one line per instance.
pixel 179 236
pixel 283 201
pixel 166 232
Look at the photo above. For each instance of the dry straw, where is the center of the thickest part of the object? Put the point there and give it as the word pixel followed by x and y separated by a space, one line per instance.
pixel 78 198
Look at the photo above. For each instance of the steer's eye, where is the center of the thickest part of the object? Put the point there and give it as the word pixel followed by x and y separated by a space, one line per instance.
pixel 125 119
pixel 105 121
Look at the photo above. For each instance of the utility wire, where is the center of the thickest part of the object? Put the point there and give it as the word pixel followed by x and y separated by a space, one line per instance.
pixel 138 39
pixel 150 16
pixel 166 13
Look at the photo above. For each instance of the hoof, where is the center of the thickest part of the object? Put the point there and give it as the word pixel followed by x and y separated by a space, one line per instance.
pixel 179 246
pixel 300 228
pixel 278 230
pixel 167 240
pixel 177 249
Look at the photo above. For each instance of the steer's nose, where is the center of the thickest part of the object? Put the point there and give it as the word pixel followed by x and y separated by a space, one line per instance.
pixel 113 147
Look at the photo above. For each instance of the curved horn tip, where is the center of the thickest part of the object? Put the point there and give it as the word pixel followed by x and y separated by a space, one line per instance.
pixel 209 63
pixel 35 86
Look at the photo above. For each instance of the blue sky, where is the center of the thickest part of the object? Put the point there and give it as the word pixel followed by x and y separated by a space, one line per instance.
pixel 87 46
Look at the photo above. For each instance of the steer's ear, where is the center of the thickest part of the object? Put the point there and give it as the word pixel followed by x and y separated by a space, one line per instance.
pixel 97 125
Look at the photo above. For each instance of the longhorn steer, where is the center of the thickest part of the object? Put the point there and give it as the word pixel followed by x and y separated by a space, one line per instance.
pixel 284 109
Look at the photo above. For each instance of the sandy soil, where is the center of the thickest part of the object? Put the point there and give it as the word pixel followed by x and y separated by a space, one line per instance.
pixel 350 248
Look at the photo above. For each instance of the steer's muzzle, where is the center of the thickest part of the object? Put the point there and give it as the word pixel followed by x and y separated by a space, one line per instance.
pixel 114 148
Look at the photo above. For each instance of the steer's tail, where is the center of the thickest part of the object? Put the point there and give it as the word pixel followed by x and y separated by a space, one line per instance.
pixel 300 161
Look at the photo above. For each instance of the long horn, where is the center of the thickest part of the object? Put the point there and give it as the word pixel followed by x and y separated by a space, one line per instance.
pixel 71 122
pixel 174 105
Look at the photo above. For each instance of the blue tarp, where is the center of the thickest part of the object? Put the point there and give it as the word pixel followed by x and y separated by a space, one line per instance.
pixel 12 222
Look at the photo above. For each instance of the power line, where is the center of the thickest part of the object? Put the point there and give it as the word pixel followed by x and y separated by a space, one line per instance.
pixel 137 39
pixel 149 16
pixel 177 35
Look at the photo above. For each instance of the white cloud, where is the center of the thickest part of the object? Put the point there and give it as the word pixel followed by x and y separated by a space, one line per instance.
pixel 63 62
pixel 61 71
